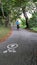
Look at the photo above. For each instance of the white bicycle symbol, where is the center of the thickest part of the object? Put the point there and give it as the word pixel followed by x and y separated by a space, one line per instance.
pixel 11 48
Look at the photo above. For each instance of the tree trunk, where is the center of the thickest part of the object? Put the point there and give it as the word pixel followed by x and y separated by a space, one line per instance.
pixel 25 15
pixel 2 8
pixel 6 18
pixel 6 21
pixel 27 25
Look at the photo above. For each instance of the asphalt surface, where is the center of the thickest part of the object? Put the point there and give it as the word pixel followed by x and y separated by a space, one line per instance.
pixel 25 48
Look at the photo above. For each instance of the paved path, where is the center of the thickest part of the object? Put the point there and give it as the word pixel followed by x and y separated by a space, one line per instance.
pixel 22 49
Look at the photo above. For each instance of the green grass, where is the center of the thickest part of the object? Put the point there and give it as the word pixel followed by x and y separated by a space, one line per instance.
pixel 3 31
pixel 34 28
pixel 23 26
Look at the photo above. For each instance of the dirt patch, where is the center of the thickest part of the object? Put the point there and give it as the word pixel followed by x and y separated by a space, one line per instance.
pixel 6 36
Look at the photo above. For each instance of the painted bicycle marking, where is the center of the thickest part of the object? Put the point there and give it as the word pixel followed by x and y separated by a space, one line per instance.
pixel 11 48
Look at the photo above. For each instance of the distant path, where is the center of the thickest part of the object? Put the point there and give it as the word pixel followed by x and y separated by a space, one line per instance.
pixel 26 52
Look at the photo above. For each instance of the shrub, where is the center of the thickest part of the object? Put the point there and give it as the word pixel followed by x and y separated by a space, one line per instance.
pixel 33 21
pixel 23 22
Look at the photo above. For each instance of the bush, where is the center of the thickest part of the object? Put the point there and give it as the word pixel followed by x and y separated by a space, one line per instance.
pixel 23 22
pixel 33 21
pixel 2 21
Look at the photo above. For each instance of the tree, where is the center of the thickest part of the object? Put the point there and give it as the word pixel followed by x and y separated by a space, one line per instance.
pixel 22 4
pixel 33 21
pixel 5 10
pixel 8 5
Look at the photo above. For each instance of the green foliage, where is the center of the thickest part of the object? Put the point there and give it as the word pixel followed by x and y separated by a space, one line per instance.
pixel 34 0
pixel 15 6
pixel 8 5
pixel 34 28
pixel 33 21
pixel 30 6
pixel 2 21
pixel 23 22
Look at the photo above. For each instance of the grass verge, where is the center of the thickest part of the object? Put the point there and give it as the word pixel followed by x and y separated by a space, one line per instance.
pixel 34 28
pixel 23 27
pixel 4 33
